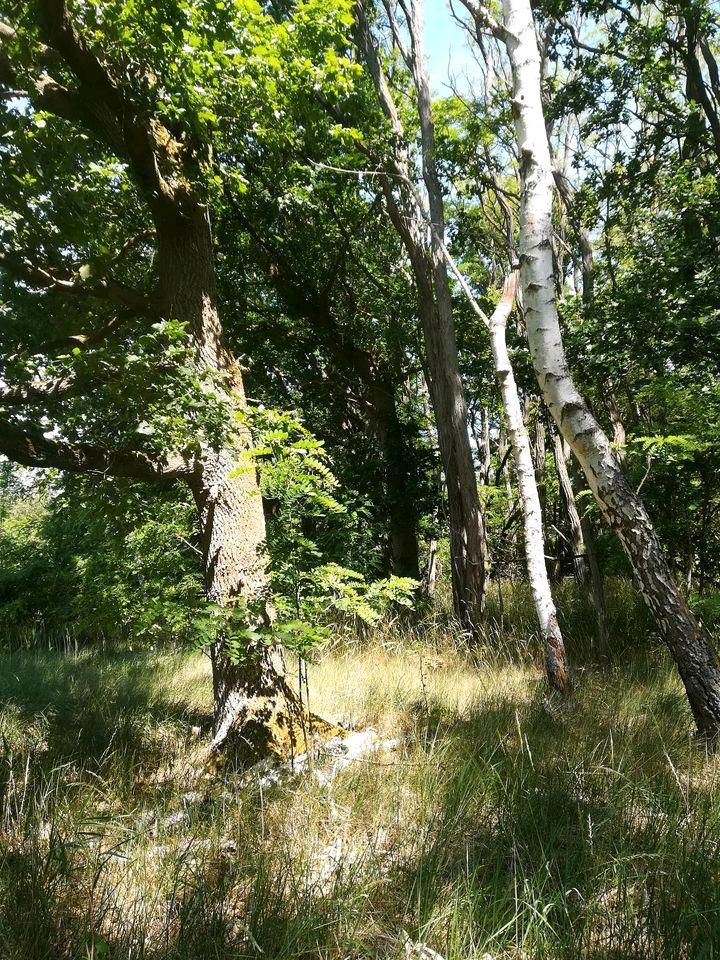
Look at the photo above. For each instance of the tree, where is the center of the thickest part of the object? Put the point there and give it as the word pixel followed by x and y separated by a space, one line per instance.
pixel 623 509
pixel 127 107
pixel 419 219
pixel 556 661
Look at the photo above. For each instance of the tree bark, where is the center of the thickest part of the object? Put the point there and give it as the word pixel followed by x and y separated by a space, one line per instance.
pixel 410 214
pixel 693 654
pixel 482 445
pixel 617 423
pixel 467 540
pixel 579 558
pixel 556 661
pixel 597 588
pixel 466 522
pixel 256 712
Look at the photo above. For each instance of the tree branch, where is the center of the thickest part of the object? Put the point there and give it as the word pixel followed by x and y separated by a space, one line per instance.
pixel 37 391
pixel 9 33
pixel 483 19
pixel 72 284
pixel 28 445
pixel 61 35
pixel 84 340
pixel 100 104
pixel 397 35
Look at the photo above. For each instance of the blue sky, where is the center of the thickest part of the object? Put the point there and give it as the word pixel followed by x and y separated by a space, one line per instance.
pixel 447 48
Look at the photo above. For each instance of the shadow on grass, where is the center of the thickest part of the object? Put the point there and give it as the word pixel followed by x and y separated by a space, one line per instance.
pixel 90 707
pixel 570 830
pixel 552 831
pixel 220 910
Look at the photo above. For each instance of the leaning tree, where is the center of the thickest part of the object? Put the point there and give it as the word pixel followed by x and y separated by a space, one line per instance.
pixel 621 506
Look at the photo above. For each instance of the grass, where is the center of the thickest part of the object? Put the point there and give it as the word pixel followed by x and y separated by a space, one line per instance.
pixel 503 826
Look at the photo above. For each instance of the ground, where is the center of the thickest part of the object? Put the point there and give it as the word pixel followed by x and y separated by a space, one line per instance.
pixel 502 825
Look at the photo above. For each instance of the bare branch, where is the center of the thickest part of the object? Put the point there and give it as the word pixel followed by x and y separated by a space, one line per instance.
pixel 397 35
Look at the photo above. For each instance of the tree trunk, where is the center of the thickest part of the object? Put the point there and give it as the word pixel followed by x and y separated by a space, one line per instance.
pixel 556 662
pixel 401 512
pixel 467 540
pixel 694 656
pixel 256 713
pixel 482 445
pixel 597 588
pixel 579 558
pixel 410 215
pixel 377 378
pixel 432 569
pixel 538 453
pixel 467 533
pixel 616 421
pixel 585 563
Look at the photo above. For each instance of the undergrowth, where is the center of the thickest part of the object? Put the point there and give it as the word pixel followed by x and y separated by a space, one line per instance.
pixel 504 824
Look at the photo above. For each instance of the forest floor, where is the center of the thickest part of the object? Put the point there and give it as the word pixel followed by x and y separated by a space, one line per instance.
pixel 500 825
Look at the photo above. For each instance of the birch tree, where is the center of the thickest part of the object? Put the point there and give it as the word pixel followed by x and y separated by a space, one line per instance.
pixel 624 511
pixel 556 661
pixel 557 665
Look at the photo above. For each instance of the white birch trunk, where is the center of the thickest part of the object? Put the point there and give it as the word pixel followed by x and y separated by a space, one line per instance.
pixel 556 662
pixel 624 511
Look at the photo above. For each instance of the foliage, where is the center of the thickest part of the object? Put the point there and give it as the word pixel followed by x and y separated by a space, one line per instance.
pixel 309 593
pixel 88 561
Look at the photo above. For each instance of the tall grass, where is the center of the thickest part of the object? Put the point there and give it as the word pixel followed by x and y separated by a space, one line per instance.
pixel 505 824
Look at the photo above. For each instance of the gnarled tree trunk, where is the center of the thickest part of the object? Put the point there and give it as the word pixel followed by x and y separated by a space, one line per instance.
pixel 256 712
pixel 693 654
